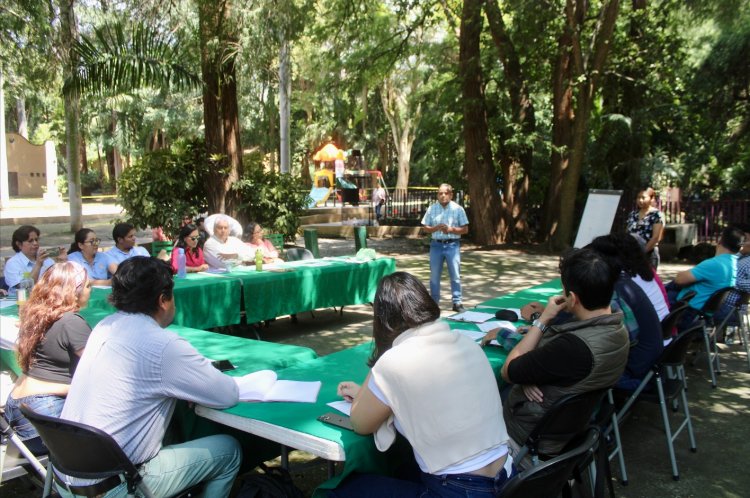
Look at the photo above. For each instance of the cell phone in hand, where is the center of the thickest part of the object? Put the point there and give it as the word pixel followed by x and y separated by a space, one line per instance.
pixel 337 419
pixel 223 365
pixel 53 252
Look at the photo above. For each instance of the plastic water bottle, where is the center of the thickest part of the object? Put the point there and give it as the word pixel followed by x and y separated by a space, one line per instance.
pixel 258 260
pixel 181 265
pixel 24 288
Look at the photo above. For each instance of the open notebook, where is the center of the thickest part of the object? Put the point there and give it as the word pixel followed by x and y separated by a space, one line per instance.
pixel 264 386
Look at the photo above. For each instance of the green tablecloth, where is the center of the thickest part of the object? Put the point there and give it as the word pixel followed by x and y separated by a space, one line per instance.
pixel 202 301
pixel 308 285
pixel 540 292
pixel 350 364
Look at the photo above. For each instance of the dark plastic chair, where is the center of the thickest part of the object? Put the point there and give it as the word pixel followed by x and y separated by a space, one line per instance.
pixel 705 316
pixel 298 254
pixel 547 479
pixel 670 321
pixel 567 418
pixel 16 460
pixel 658 387
pixel 739 315
pixel 85 452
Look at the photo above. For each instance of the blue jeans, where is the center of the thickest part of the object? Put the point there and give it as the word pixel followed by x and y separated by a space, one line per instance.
pixel 451 254
pixel 43 404
pixel 430 486
pixel 212 460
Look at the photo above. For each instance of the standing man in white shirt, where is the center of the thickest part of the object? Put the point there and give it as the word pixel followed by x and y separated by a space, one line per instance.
pixel 129 379
pixel 446 221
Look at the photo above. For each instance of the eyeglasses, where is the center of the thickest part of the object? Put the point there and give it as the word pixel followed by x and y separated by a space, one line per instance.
pixel 93 242
pixel 194 238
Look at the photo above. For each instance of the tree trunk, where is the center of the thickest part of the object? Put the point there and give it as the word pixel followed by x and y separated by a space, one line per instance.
pixel 517 164
pixel 574 86
pixel 23 128
pixel 486 223
pixel 220 114
pixel 285 88
pixel 69 33
pixel 403 129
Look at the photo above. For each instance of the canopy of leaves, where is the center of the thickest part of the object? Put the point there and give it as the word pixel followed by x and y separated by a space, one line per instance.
pixel 164 186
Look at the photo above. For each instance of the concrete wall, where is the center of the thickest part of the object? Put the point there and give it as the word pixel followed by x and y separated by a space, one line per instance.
pixel 27 166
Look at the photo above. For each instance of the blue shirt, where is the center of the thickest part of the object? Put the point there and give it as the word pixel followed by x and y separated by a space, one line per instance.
pixel 452 215
pixel 115 255
pixel 96 271
pixel 19 264
pixel 710 276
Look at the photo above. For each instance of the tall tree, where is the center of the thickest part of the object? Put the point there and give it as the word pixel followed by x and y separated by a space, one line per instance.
pixel 575 80
pixel 486 223
pixel 68 38
pixel 218 45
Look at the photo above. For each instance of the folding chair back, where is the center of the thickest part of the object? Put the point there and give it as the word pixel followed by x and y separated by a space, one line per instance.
pixel 277 240
pixel 565 419
pixel 670 321
pixel 79 450
pixel 547 479
pixel 158 245
pixel 714 302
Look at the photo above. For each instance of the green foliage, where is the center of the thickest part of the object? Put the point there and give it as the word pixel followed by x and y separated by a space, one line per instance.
pixel 117 58
pixel 273 200
pixel 91 180
pixel 165 185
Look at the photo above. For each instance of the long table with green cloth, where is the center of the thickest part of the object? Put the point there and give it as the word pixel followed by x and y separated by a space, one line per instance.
pixel 310 284
pixel 295 424
pixel 204 300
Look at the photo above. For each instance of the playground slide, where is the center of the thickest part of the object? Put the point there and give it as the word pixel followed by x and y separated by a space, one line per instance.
pixel 319 195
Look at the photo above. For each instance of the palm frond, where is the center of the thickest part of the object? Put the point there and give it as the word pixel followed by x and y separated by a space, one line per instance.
pixel 114 59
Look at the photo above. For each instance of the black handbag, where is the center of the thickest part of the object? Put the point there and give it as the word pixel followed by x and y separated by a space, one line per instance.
pixel 275 482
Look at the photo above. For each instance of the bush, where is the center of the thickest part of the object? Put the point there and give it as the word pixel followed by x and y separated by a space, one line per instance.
pixel 91 180
pixel 273 200
pixel 165 185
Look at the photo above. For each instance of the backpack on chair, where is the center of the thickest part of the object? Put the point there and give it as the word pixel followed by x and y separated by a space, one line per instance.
pixel 275 482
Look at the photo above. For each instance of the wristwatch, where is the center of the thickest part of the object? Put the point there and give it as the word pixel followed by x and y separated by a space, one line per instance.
pixel 542 327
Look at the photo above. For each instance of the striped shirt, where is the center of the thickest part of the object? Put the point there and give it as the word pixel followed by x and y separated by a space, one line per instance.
pixel 452 215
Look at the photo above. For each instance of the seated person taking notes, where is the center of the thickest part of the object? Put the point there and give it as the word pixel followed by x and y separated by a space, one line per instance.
pixel 435 387
pixel 129 379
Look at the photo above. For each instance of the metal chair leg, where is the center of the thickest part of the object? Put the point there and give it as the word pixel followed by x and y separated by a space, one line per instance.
pixel 667 428
pixel 707 345
pixel 618 443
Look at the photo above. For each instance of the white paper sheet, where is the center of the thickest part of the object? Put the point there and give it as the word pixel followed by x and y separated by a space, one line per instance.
pixel 343 406
pixel 471 316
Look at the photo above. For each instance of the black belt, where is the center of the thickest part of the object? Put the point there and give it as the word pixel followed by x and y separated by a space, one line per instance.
pixel 445 241
pixel 92 490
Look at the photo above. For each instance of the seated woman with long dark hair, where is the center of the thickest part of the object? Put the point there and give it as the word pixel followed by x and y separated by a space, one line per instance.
pixel 435 387
pixel 188 239
pixel 51 339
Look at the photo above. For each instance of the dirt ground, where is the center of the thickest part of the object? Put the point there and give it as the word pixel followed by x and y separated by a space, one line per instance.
pixel 719 415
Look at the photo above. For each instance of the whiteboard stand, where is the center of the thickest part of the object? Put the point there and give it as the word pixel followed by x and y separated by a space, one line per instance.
pixel 598 215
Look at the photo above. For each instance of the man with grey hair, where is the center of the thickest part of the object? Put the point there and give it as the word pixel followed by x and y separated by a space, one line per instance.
pixel 223 246
pixel 446 221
